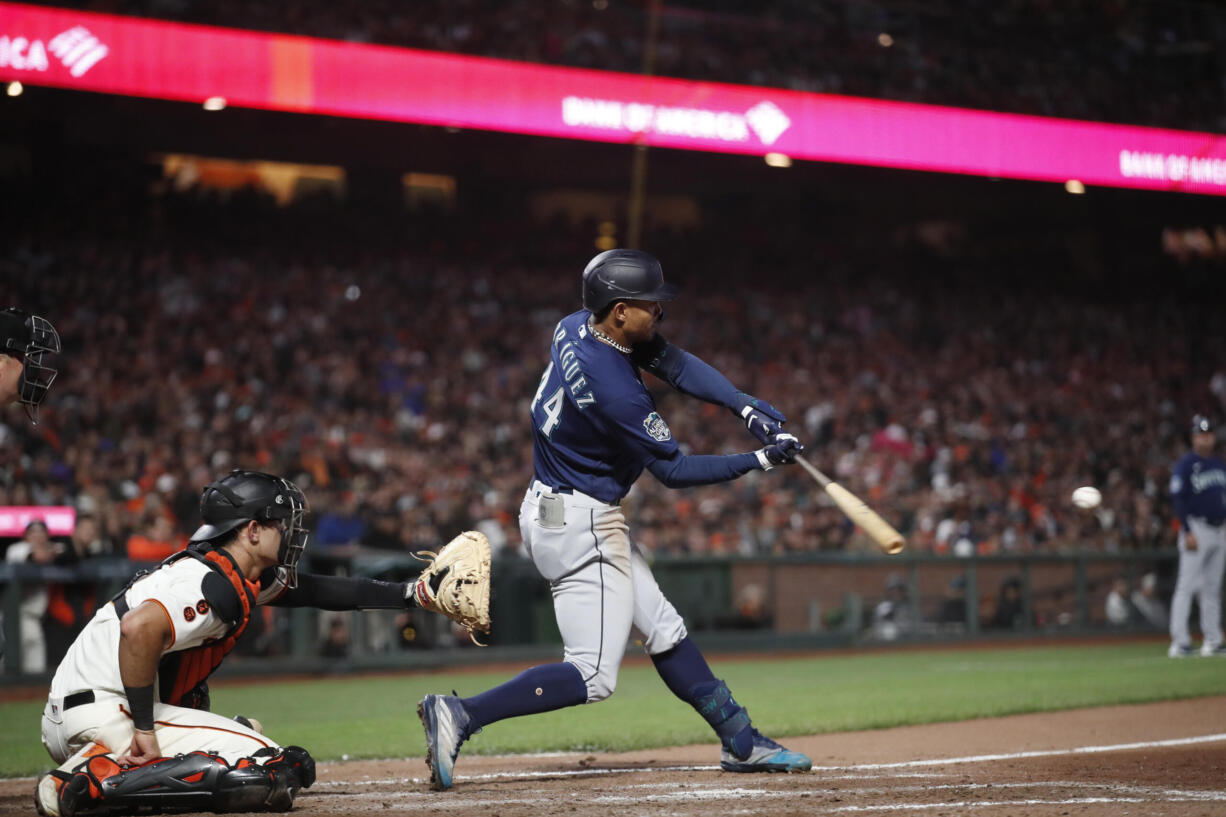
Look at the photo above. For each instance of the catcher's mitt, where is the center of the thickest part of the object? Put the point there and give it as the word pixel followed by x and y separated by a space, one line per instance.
pixel 457 582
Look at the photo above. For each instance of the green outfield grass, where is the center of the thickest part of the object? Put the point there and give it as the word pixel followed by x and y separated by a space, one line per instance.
pixel 372 717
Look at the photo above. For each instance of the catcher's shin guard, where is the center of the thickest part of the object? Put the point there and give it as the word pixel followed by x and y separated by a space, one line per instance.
pixel 76 792
pixel 198 781
pixel 293 764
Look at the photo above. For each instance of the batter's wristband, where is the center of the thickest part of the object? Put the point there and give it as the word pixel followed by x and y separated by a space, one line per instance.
pixel 140 701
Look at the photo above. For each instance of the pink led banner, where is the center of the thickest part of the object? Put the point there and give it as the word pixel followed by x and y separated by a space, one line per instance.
pixel 122 55
pixel 60 519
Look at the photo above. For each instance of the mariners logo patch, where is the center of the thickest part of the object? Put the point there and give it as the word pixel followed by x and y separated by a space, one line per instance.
pixel 656 427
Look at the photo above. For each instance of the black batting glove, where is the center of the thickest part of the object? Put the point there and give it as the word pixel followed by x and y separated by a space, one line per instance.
pixel 763 420
pixel 783 451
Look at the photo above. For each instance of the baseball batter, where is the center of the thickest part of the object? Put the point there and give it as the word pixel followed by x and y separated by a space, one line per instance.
pixel 595 429
pixel 26 370
pixel 1198 496
pixel 128 715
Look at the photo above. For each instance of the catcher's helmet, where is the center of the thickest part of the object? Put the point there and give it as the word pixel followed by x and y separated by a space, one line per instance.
pixel 623 275
pixel 1201 424
pixel 29 338
pixel 242 496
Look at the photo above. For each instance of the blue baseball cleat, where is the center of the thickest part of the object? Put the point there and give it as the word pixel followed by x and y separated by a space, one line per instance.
pixel 1180 651
pixel 446 724
pixel 766 756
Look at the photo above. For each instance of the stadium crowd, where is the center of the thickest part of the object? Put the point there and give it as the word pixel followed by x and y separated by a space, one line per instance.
pixel 1152 64
pixel 390 373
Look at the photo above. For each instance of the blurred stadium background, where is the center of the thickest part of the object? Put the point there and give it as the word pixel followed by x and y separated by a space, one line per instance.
pixel 362 304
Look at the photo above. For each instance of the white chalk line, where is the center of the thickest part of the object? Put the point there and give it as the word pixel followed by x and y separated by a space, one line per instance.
pixel 699 792
pixel 1081 750
pixel 623 770
pixel 528 774
pixel 1052 665
pixel 539 774
pixel 421 801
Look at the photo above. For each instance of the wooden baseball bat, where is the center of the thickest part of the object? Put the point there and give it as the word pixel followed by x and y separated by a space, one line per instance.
pixel 881 531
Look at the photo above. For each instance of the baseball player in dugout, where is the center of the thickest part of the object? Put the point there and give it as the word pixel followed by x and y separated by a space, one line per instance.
pixel 595 428
pixel 26 370
pixel 1198 497
pixel 128 715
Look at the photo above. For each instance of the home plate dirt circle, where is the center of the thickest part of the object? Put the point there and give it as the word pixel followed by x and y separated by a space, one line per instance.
pixel 1152 759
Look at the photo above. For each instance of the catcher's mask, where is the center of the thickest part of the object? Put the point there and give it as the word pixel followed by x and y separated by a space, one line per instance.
pixel 242 496
pixel 30 338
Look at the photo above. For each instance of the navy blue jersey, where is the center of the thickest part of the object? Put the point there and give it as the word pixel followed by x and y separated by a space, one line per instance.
pixel 1198 488
pixel 595 426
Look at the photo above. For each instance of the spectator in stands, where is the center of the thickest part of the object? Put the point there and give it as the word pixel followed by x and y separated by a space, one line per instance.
pixel 36 548
pixel 1117 607
pixel 342 524
pixel 87 538
pixel 157 541
pixel 1152 609
pixel 1009 614
pixel 70 604
pixel 336 643
pixel 953 603
pixel 749 611
pixel 893 617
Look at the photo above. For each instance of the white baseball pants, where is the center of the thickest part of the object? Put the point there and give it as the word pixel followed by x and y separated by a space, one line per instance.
pixel 1200 576
pixel 72 736
pixel 602 586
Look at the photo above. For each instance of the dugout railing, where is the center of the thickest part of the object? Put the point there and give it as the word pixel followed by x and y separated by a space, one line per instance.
pixel 801 601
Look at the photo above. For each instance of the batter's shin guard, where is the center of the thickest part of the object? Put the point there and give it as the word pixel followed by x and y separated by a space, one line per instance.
pixel 715 703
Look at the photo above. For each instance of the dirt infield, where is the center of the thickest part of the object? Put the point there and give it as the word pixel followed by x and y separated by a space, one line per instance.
pixel 1151 759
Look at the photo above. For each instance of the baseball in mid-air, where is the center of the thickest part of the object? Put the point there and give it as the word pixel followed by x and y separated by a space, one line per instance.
pixel 1087 496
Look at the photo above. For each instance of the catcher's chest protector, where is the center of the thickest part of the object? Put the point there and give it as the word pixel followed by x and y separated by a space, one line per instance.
pixel 231 597
pixel 227 594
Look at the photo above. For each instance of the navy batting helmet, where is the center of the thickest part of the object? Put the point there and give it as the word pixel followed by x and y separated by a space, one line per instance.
pixel 30 338
pixel 241 496
pixel 1201 424
pixel 624 275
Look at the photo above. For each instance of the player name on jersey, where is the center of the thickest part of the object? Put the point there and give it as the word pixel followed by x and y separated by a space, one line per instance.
pixel 569 364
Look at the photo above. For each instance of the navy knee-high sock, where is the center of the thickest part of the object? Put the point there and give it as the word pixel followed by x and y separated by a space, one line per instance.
pixel 686 673
pixel 540 689
pixel 682 668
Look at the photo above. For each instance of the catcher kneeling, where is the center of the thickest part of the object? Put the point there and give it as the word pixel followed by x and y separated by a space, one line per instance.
pixel 128 713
